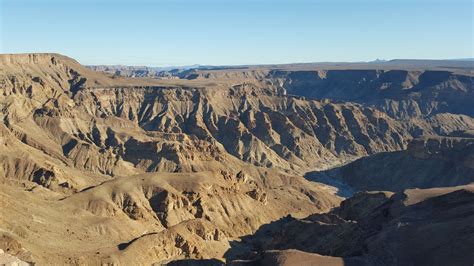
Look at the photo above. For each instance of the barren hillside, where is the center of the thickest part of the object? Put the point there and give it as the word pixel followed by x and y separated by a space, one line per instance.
pixel 109 169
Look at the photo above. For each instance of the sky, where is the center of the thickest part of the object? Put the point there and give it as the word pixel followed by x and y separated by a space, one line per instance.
pixel 233 32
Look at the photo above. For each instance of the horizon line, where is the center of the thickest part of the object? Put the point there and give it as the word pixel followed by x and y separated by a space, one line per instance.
pixel 377 60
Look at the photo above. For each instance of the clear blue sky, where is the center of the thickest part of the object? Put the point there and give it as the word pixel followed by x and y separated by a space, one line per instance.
pixel 180 32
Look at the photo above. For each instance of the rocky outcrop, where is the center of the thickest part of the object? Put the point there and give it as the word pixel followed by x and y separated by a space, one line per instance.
pixel 403 90
pixel 436 221
pixel 400 93
pixel 236 206
pixel 7 259
pixel 198 239
pixel 253 125
pixel 143 71
pixel 12 252
pixel 428 162
pixel 443 148
pixel 101 169
pixel 92 123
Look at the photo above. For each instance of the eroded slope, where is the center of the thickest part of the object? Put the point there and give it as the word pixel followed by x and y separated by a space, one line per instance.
pixel 97 169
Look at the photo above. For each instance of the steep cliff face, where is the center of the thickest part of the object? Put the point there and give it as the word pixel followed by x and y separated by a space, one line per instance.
pixel 178 168
pixel 428 162
pixel 95 125
pixel 399 93
pixel 430 100
pixel 254 124
pixel 72 134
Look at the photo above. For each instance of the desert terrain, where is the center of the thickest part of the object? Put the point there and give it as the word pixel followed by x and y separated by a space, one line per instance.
pixel 314 164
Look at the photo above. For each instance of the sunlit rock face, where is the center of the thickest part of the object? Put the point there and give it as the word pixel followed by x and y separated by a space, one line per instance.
pixel 110 169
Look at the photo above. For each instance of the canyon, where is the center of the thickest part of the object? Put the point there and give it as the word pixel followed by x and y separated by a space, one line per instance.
pixel 251 165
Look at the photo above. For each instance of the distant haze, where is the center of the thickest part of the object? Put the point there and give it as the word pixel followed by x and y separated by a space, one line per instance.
pixel 212 32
